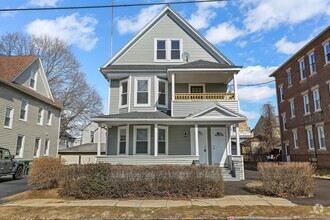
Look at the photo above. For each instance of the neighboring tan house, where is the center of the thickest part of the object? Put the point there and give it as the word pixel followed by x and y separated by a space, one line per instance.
pixel 90 134
pixel 29 115
pixel 303 97
pixel 245 133
pixel 169 101
pixel 66 141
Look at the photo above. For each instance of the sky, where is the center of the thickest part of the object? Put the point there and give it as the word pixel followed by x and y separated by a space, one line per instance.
pixel 259 35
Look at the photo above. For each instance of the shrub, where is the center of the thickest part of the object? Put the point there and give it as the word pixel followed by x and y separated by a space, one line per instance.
pixel 93 181
pixel 287 179
pixel 45 172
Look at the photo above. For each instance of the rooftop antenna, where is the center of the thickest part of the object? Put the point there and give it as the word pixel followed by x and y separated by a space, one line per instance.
pixel 111 34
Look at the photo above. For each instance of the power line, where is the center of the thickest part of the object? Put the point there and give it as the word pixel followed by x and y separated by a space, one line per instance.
pixel 257 84
pixel 108 6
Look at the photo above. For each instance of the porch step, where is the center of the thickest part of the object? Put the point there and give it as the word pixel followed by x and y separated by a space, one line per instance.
pixel 227 176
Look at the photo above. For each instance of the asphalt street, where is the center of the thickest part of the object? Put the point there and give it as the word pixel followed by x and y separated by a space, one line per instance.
pixel 9 187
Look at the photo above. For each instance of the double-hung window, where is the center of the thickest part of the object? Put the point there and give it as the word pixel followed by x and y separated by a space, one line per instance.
pixel 91 136
pixel 123 93
pixel 9 112
pixel 49 117
pixel 162 93
pixel 175 49
pixel 295 138
pixel 36 152
pixel 122 140
pixel 162 140
pixel 312 63
pixel 326 47
pixel 161 50
pixel 33 75
pixel 284 121
pixel 289 76
pixel 142 92
pixel 317 99
pixel 320 132
pixel 292 110
pixel 306 104
pixel 302 69
pixel 141 140
pixel 24 110
pixel 310 138
pixel 40 115
pixel 47 145
pixel 20 146
pixel 281 94
pixel 168 50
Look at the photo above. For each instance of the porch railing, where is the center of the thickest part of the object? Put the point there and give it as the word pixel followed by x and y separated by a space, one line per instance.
pixel 204 96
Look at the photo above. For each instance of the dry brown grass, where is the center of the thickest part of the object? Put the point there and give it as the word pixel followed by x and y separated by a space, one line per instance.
pixel 255 187
pixel 180 212
pixel 36 194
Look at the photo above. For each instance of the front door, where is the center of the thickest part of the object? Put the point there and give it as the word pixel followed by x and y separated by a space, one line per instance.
pixel 219 146
pixel 202 144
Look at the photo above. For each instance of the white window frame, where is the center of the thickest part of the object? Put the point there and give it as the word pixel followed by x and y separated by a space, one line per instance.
pixel 284 122
pixel 118 139
pixel 166 140
pixel 42 116
pixel 22 147
pixel 167 49
pixel 312 54
pixel 315 100
pixel 200 84
pixel 327 43
pixel 310 136
pixel 11 118
pixel 35 72
pixel 166 92
pixel 292 108
pixel 134 139
pixel 49 112
pixel 26 110
pixel 121 93
pixel 289 76
pixel 319 137
pixel 295 139
pixel 281 93
pixel 308 103
pixel 47 144
pixel 301 70
pixel 39 148
pixel 92 133
pixel 135 91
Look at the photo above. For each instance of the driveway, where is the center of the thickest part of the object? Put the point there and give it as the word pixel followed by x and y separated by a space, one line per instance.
pixel 9 187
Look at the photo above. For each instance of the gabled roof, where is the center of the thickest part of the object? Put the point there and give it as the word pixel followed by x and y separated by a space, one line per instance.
pixel 181 21
pixel 220 108
pixel 12 66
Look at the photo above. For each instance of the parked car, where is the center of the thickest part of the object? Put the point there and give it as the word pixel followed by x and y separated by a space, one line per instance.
pixel 10 166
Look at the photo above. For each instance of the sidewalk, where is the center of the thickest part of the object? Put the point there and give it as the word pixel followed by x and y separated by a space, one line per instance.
pixel 239 200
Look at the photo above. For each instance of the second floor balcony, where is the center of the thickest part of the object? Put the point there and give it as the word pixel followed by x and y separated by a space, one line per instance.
pixel 204 96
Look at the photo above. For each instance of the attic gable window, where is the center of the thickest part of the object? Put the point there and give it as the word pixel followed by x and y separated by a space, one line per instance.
pixel 167 50
pixel 33 74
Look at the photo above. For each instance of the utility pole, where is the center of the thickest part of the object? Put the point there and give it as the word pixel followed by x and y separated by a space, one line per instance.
pixel 111 34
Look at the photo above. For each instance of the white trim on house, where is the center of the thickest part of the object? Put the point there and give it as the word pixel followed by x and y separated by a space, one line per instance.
pixel 135 128
pixel 166 139
pixel 126 128
pixel 168 48
pixel 21 152
pixel 121 93
pixel 203 69
pixel 136 79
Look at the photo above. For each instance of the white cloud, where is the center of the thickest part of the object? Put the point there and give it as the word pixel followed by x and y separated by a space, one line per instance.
pixel 268 14
pixel 288 47
pixel 43 2
pixel 256 94
pixel 255 74
pixel 73 29
pixel 223 32
pixel 205 12
pixel 135 23
pixel 250 114
pixel 241 44
pixel 8 14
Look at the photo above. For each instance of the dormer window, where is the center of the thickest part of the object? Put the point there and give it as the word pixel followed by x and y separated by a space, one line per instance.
pixel 33 74
pixel 168 50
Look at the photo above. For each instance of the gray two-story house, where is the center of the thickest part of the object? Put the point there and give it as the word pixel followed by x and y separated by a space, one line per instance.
pixel 169 99
pixel 29 114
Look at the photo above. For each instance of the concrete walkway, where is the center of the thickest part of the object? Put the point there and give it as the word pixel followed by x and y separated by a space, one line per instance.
pixel 240 200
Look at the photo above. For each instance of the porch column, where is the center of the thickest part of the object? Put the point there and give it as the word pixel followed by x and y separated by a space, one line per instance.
pixel 156 140
pixel 235 86
pixel 238 145
pixel 109 94
pixel 99 140
pixel 196 141
pixel 173 91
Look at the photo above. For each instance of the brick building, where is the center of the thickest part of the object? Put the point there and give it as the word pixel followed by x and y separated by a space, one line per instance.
pixel 303 97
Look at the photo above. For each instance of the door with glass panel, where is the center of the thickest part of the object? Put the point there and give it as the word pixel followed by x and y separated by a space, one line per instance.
pixel 142 140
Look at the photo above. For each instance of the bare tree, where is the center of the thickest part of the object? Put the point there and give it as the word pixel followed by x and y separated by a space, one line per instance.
pixel 269 135
pixel 66 82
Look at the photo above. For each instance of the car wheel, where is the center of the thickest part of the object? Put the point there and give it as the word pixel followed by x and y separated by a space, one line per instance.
pixel 18 174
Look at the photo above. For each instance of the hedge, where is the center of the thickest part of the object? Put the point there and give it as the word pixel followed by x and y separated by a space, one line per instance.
pixel 101 181
pixel 287 179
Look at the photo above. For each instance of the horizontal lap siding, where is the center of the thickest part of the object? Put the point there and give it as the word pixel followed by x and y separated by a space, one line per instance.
pixel 114 97
pixel 30 129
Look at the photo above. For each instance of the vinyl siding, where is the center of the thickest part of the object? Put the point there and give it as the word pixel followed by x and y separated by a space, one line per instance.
pixel 185 108
pixel 143 50
pixel 30 129
pixel 114 97
pixel 95 128
pixel 178 143
pixel 112 140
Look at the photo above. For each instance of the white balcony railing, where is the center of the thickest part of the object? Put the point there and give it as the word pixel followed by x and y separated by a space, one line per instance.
pixel 204 96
